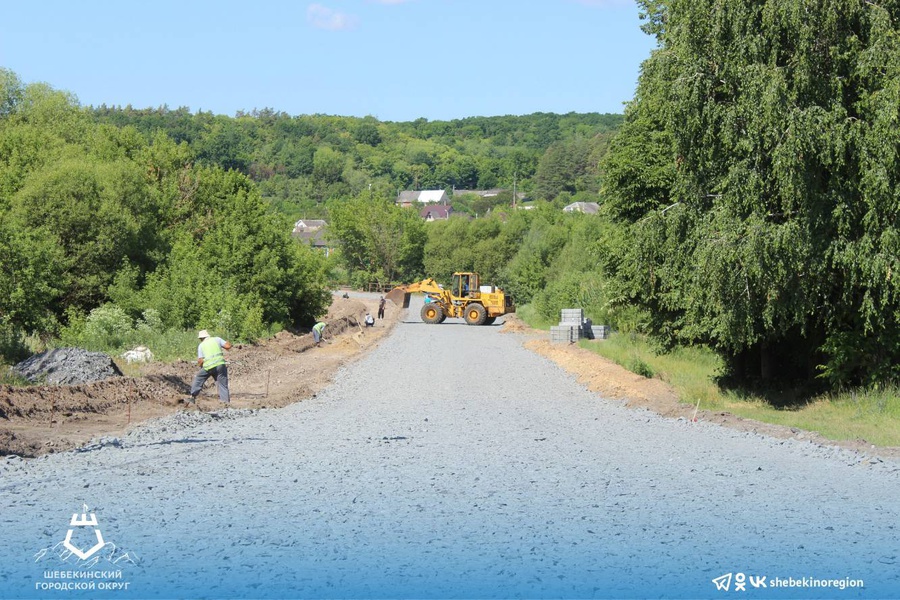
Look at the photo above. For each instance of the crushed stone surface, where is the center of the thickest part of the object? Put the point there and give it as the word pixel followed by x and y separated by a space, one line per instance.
pixel 452 462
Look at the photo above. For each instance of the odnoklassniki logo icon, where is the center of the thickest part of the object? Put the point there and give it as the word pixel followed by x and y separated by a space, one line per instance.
pixel 84 521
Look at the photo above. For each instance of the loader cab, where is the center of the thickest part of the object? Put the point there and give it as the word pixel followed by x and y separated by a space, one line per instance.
pixel 465 285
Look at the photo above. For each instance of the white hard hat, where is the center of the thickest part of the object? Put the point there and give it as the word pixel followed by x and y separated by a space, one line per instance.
pixel 203 334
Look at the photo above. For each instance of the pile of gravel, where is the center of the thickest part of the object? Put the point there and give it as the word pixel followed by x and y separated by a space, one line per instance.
pixel 67 366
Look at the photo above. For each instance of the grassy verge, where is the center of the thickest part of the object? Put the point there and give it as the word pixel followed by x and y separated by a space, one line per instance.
pixel 166 346
pixel 7 377
pixel 871 415
pixel 530 316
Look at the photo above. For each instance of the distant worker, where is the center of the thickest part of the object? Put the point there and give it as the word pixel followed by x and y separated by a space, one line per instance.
pixel 370 320
pixel 317 330
pixel 211 358
pixel 381 304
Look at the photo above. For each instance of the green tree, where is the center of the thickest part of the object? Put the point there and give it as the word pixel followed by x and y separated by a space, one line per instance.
pixel 378 238
pixel 765 217
pixel 31 277
pixel 224 144
pixel 233 266
pixel 569 166
pixel 528 272
pixel 95 212
pixel 328 165
pixel 450 248
pixel 11 92
pixel 367 132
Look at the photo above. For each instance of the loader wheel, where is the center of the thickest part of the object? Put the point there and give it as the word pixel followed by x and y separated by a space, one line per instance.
pixel 475 314
pixel 443 317
pixel 432 313
pixel 490 320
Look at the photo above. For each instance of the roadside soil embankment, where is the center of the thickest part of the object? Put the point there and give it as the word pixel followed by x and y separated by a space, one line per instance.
pixel 610 380
pixel 275 372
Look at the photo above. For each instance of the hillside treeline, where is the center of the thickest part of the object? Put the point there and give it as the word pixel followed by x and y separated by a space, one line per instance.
pixel 93 215
pixel 301 162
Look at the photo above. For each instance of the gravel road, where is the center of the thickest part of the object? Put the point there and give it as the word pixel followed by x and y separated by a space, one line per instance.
pixel 450 462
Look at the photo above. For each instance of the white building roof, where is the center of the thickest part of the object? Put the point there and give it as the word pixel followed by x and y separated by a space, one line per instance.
pixel 432 196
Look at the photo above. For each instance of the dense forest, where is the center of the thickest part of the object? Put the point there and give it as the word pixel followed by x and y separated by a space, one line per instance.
pixel 301 162
pixel 748 201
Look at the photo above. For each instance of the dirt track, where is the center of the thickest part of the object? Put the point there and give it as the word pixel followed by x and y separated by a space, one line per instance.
pixel 43 419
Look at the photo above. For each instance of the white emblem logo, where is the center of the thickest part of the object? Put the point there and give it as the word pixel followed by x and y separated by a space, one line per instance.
pixel 84 521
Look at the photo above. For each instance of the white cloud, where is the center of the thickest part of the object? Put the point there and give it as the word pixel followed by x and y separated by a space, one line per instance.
pixel 322 17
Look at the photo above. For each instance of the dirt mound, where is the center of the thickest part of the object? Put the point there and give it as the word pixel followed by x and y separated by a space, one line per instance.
pixel 42 418
pixel 345 314
pixel 513 324
pixel 612 381
pixel 67 366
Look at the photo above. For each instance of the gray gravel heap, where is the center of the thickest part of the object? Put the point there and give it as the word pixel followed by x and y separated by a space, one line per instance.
pixel 67 366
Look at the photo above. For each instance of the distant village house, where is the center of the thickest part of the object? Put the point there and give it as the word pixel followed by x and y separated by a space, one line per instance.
pixel 408 198
pixel 435 212
pixel 588 208
pixel 520 196
pixel 312 232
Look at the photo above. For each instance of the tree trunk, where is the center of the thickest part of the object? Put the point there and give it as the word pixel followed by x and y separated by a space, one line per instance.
pixel 765 362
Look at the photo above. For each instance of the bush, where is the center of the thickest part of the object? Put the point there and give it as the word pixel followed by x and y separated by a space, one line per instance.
pixel 107 327
pixel 239 318
pixel 636 365
pixel 12 346
pixel 150 322
pixel 573 290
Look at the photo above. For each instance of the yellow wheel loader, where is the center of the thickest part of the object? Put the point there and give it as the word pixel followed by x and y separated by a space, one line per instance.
pixel 467 299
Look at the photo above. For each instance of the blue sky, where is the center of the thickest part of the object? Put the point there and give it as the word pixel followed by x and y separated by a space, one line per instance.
pixel 397 60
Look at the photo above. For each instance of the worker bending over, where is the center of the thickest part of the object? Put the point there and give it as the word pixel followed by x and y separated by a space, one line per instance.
pixel 211 358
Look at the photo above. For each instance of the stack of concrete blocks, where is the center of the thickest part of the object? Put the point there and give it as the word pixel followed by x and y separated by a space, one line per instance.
pixel 597 332
pixel 570 328
pixel 573 326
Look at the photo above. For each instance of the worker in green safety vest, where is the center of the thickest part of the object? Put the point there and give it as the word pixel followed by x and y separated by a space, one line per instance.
pixel 211 358
pixel 317 330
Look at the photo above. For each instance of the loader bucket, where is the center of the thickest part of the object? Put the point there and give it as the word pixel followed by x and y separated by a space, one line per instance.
pixel 399 296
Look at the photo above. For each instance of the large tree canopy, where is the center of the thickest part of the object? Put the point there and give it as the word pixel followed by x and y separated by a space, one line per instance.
pixel 758 170
pixel 92 213
pixel 379 240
